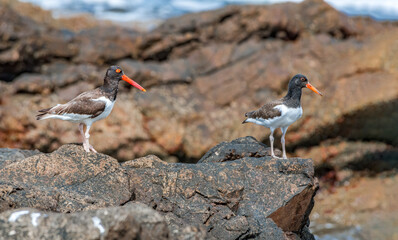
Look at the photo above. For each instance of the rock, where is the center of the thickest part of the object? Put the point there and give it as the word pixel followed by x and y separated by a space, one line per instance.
pixel 203 71
pixel 133 221
pixel 239 148
pixel 363 206
pixel 105 44
pixel 240 23
pixel 248 195
pixel 67 180
pixel 8 156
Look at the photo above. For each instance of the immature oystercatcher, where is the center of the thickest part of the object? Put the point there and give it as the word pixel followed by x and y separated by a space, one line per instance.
pixel 90 106
pixel 283 112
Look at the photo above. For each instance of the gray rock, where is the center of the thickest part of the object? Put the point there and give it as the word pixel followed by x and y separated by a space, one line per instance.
pixel 133 221
pixel 248 195
pixel 10 155
pixel 67 180
pixel 236 149
pixel 260 197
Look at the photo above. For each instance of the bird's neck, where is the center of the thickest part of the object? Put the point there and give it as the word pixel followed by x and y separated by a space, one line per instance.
pixel 293 97
pixel 110 88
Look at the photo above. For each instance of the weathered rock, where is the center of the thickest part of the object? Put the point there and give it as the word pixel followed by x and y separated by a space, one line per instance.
pixel 240 23
pixel 67 180
pixel 239 148
pixel 203 72
pixel 240 198
pixel 8 155
pixel 257 197
pixel 133 221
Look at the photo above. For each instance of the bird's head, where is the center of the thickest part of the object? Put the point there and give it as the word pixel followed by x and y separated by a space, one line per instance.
pixel 302 81
pixel 115 72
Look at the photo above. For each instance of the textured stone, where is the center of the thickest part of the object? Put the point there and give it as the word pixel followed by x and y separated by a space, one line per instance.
pixel 238 191
pixel 133 221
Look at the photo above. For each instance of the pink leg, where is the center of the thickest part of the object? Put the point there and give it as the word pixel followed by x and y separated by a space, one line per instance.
pixel 85 142
pixel 87 136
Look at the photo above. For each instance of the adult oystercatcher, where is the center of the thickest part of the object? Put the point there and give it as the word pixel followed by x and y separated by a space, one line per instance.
pixel 283 112
pixel 90 106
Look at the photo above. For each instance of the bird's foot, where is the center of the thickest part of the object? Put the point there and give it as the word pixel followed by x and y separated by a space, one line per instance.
pixel 92 149
pixel 273 156
pixel 88 148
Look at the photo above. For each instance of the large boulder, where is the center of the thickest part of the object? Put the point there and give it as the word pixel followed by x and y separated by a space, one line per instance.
pixel 246 195
pixel 243 197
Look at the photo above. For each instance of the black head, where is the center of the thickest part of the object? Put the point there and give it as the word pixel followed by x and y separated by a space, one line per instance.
pixel 114 73
pixel 300 81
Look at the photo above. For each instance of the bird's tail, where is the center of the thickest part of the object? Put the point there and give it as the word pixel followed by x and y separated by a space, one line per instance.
pixel 42 113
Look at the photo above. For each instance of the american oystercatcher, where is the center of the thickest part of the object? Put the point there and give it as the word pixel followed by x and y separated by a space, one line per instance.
pixel 283 112
pixel 90 106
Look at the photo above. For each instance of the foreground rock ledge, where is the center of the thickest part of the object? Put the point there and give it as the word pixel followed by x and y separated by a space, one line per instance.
pixel 236 191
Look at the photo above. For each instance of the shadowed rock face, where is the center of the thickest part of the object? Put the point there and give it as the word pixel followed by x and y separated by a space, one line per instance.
pixel 232 195
pixel 203 71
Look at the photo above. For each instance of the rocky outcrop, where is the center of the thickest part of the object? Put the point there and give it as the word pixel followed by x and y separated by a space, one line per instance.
pixel 232 194
pixel 66 180
pixel 203 71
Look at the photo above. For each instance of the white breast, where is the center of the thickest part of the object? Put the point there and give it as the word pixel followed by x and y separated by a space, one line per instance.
pixel 287 117
pixel 108 109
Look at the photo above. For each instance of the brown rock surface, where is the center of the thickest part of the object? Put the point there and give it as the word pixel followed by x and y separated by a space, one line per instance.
pixel 203 71
pixel 249 195
pixel 366 208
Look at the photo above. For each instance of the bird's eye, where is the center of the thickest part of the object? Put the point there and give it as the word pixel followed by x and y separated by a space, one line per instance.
pixel 118 70
pixel 302 79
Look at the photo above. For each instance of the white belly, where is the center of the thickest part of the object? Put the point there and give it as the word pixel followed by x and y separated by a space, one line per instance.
pixel 83 118
pixel 287 117
pixel 108 109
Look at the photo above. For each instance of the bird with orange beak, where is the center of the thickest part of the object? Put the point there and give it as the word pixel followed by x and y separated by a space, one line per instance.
pixel 90 106
pixel 283 112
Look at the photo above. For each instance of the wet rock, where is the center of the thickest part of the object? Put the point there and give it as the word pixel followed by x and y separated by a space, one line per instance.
pixel 133 221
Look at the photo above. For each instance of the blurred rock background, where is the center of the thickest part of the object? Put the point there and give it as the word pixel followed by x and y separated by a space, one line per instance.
pixel 203 71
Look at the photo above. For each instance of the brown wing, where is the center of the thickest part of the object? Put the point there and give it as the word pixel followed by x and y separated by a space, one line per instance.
pixel 82 104
pixel 267 111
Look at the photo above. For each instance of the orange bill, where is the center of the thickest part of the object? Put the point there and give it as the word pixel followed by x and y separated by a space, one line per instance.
pixel 313 89
pixel 129 80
